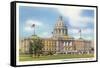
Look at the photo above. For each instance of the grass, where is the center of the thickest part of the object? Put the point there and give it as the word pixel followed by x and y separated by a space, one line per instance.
pixel 59 56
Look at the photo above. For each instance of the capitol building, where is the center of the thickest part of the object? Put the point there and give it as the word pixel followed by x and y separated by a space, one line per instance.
pixel 60 42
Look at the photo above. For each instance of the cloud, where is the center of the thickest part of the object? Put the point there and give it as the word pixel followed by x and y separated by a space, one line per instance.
pixel 72 13
pixel 45 35
pixel 74 16
pixel 85 33
pixel 41 29
pixel 77 22
pixel 73 31
pixel 29 23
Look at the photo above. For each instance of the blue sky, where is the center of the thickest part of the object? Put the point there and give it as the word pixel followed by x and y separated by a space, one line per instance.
pixel 45 19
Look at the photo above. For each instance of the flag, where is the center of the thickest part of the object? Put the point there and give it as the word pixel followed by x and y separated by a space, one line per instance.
pixel 33 25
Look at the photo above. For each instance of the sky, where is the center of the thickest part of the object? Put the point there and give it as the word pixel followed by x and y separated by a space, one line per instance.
pixel 45 19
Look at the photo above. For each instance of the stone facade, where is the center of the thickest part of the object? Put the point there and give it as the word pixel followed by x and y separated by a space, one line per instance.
pixel 60 42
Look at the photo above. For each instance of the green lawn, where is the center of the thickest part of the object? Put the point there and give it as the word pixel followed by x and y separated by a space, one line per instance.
pixel 59 56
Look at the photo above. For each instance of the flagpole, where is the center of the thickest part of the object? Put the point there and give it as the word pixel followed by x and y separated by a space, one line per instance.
pixel 34 30
pixel 33 26
pixel 80 33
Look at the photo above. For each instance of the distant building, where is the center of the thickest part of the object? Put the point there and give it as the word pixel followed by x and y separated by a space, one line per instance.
pixel 82 46
pixel 24 46
pixel 60 42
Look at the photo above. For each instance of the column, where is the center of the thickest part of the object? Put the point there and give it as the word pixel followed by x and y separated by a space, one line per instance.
pixel 57 46
pixel 64 31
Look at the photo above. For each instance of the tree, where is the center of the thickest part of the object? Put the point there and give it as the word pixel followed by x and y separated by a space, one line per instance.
pixel 36 46
pixel 30 49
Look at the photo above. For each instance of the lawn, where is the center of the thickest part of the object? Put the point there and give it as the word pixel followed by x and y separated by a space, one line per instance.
pixel 59 56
